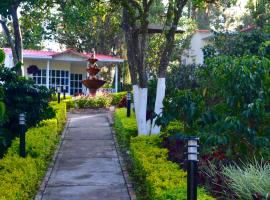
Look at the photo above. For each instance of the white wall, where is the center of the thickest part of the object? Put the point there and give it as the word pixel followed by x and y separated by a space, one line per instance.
pixel 194 55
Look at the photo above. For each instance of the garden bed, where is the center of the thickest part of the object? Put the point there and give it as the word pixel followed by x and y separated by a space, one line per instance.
pixel 154 176
pixel 20 177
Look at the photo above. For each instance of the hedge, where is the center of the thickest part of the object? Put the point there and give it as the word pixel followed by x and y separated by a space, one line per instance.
pixel 158 178
pixel 117 97
pixel 99 101
pixel 155 177
pixel 20 177
pixel 125 127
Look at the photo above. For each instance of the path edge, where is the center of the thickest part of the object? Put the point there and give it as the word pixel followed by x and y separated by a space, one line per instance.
pixel 45 180
pixel 121 160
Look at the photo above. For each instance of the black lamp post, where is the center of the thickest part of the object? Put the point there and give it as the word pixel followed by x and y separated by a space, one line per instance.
pixel 58 94
pixel 64 91
pixel 192 168
pixel 128 103
pixel 22 134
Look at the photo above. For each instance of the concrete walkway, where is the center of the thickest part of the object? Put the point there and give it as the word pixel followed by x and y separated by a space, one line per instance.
pixel 87 166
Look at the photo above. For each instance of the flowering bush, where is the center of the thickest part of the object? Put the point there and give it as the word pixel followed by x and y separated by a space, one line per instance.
pixel 99 101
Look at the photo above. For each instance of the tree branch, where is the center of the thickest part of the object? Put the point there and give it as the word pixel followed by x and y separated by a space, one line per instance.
pixel 10 40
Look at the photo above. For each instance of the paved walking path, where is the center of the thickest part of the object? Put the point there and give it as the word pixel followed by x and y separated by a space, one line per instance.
pixel 87 166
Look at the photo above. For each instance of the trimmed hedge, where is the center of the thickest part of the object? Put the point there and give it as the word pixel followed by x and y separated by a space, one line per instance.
pixel 155 177
pixel 20 177
pixel 101 101
pixel 117 97
pixel 60 114
pixel 125 127
pixel 158 178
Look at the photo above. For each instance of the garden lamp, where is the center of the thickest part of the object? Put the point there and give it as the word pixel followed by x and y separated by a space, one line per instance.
pixel 192 167
pixel 58 93
pixel 22 134
pixel 128 103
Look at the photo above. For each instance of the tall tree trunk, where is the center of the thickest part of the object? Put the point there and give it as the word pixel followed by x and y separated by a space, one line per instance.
pixel 17 36
pixel 10 41
pixel 165 57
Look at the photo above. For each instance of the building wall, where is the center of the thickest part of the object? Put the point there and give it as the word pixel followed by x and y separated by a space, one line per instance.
pixel 194 55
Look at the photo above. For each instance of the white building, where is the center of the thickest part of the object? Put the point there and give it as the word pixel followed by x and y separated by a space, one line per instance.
pixel 194 54
pixel 62 69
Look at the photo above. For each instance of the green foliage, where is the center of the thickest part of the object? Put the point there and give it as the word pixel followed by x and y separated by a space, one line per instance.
pixel 158 178
pixel 20 177
pixel 230 105
pixel 70 103
pixel 22 96
pixel 189 106
pixel 2 56
pixel 181 77
pixel 60 114
pixel 237 44
pixel 155 177
pixel 249 180
pixel 125 127
pixel 117 97
pixel 74 20
pixel 99 101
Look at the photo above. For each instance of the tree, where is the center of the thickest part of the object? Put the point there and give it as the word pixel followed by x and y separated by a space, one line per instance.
pixel 9 10
pixel 135 25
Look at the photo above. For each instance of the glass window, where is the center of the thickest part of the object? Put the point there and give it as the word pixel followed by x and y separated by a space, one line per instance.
pixel 75 84
pixel 59 78
pixel 40 77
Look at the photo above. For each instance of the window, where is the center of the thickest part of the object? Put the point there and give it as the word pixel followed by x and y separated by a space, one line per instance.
pixel 59 78
pixel 40 77
pixel 75 83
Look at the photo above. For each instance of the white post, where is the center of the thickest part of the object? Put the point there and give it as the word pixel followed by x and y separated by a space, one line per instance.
pixel 48 74
pixel 116 78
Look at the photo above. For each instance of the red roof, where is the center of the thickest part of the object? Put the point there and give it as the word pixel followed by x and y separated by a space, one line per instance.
pixel 51 54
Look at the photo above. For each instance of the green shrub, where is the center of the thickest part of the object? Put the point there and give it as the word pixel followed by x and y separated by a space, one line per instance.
pixel 54 97
pixel 99 101
pixel 155 177
pixel 19 177
pixel 60 115
pixel 250 179
pixel 70 103
pixel 125 127
pixel 158 178
pixel 117 97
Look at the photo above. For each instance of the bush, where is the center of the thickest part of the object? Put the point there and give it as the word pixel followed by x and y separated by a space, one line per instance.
pixel 250 181
pixel 125 127
pixel 21 95
pixel 70 103
pixel 157 177
pixel 117 97
pixel 60 114
pixel 99 101
pixel 19 177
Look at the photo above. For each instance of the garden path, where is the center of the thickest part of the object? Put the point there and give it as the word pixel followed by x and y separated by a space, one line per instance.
pixel 87 166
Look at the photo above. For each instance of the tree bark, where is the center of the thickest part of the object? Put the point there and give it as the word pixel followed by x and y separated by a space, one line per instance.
pixel 10 41
pixel 173 17
pixel 17 36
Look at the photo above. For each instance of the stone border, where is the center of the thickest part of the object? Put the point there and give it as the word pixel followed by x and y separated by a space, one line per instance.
pixel 48 174
pixel 121 159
